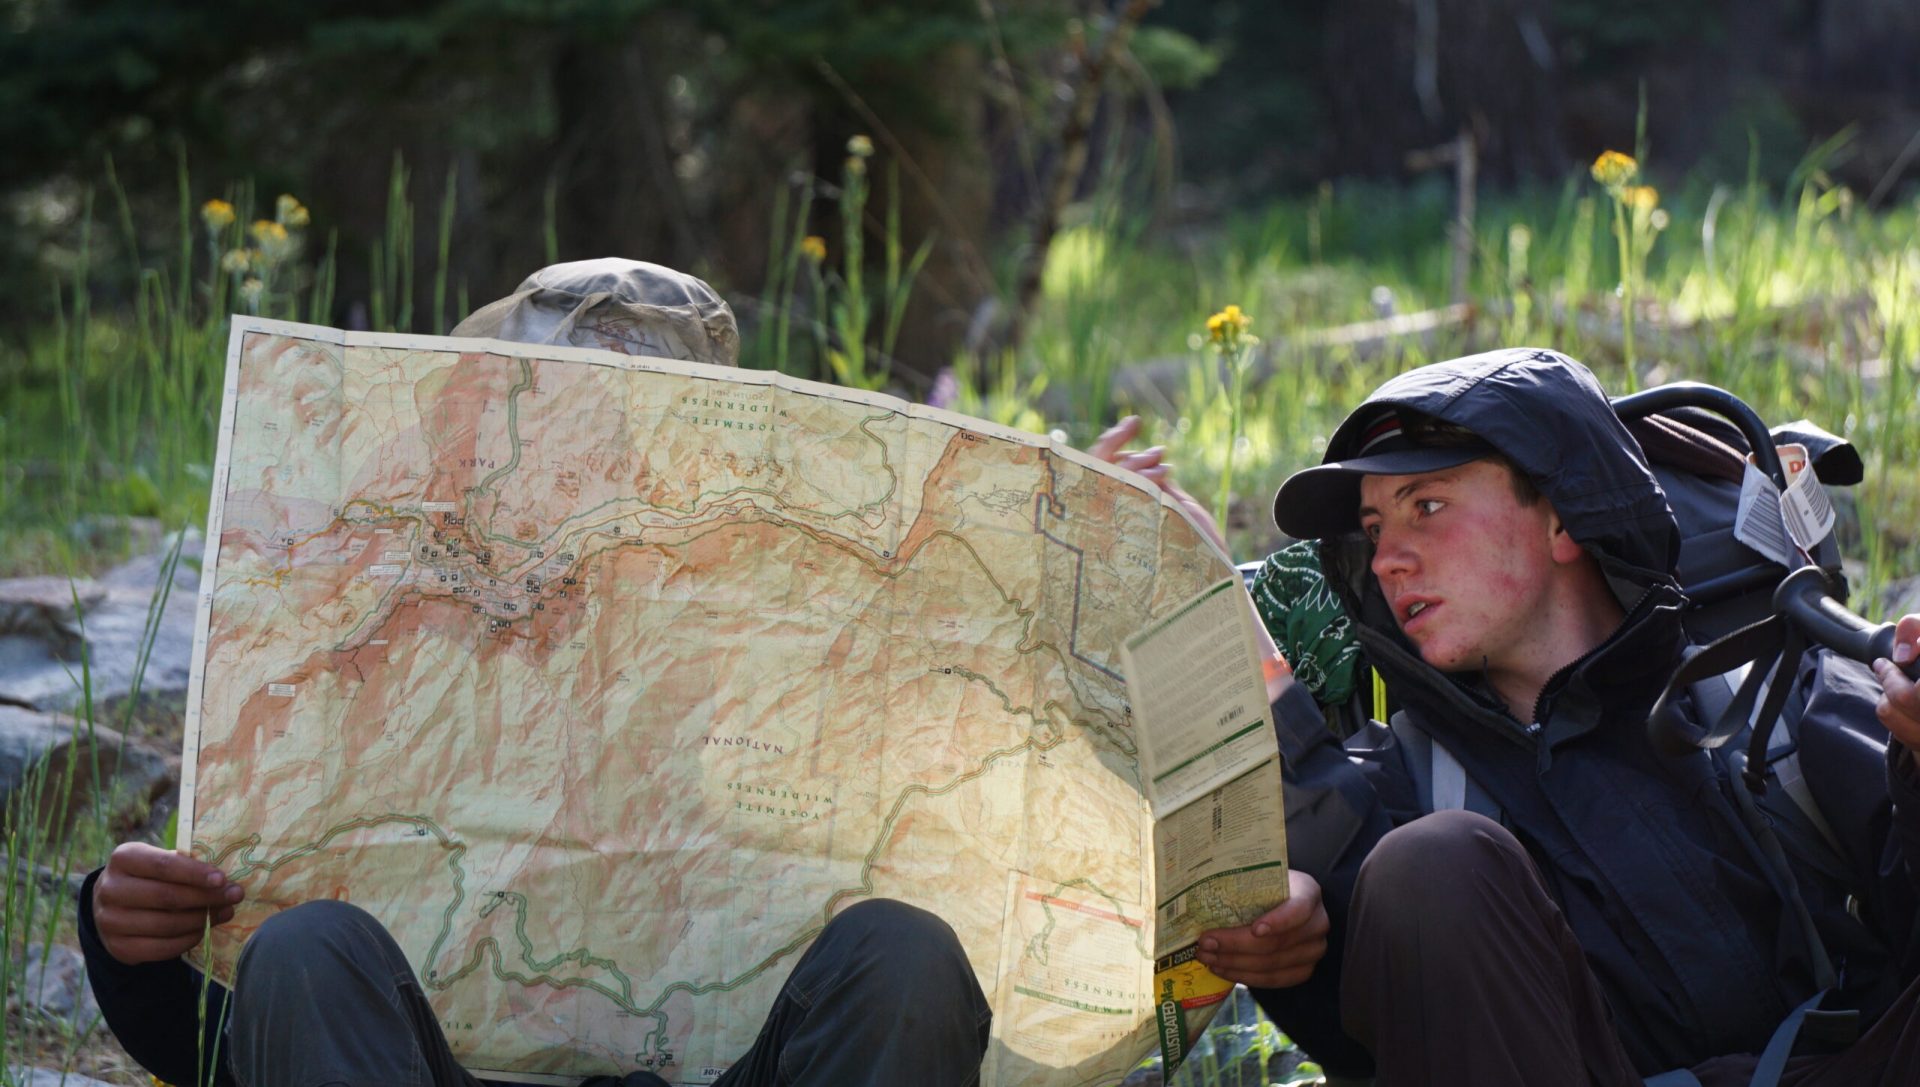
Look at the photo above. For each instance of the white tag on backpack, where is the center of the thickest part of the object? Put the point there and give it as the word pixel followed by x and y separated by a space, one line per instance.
pixel 1782 525
pixel 1759 523
pixel 1809 514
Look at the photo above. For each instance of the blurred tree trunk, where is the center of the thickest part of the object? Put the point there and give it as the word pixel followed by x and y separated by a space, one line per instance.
pixel 768 139
pixel 1871 45
pixel 614 161
pixel 1405 75
pixel 945 180
pixel 953 205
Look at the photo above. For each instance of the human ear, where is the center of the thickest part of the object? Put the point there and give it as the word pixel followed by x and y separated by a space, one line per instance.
pixel 1563 546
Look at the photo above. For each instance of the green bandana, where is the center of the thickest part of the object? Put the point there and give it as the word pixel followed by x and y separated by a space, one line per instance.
pixel 1307 621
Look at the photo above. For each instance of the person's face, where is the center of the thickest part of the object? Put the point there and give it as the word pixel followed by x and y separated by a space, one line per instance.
pixel 1467 569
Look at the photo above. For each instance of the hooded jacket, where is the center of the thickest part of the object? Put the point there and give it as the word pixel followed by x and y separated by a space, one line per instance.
pixel 1691 932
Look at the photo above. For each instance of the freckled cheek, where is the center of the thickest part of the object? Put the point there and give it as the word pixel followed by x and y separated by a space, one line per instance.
pixel 1504 583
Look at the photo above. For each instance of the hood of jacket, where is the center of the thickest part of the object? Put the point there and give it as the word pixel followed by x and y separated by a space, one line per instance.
pixel 1549 416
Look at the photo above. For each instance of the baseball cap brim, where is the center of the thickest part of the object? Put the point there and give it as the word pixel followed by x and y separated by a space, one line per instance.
pixel 1324 501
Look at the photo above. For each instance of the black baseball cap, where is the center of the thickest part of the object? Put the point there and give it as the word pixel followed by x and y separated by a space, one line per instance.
pixel 1324 501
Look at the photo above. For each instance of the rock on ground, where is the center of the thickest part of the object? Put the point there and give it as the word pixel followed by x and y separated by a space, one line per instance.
pixel 67 643
pixel 47 1077
pixel 50 625
pixel 132 774
pixel 52 983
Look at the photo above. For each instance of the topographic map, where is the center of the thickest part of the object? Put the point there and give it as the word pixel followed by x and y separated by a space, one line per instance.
pixel 605 682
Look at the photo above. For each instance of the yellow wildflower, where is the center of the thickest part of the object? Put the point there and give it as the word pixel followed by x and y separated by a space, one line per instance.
pixel 237 261
pixel 275 244
pixel 1641 197
pixel 859 147
pixel 1615 170
pixel 1229 326
pixel 250 291
pixel 289 212
pixel 1658 220
pixel 814 248
pixel 217 214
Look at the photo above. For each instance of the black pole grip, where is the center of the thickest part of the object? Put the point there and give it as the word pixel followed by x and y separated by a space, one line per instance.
pixel 1805 597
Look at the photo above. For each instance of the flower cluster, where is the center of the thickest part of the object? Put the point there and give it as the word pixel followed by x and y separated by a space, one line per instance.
pixel 1638 219
pixel 1228 328
pixel 1615 170
pixel 274 242
pixel 217 215
pixel 289 212
pixel 859 150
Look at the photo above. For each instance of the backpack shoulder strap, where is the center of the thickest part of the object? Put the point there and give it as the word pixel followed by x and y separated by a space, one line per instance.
pixel 1441 781
pixel 1783 763
pixel 1713 694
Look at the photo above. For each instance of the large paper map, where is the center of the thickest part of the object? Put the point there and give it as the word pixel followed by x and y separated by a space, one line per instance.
pixel 605 682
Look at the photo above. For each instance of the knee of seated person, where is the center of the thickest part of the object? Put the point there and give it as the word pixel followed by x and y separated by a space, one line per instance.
pixel 1418 860
pixel 907 938
pixel 304 933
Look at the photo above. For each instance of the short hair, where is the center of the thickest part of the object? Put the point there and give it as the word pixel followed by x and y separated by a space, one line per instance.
pixel 1426 430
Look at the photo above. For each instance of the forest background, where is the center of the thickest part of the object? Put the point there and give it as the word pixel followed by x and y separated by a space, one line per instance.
pixel 1021 209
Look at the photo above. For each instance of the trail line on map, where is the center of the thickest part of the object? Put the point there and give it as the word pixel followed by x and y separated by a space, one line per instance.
pixel 1046 931
pixel 513 428
pixel 624 999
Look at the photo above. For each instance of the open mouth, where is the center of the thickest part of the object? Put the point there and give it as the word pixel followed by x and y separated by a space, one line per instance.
pixel 1413 612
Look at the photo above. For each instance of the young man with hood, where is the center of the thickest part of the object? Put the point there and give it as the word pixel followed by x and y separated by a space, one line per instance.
pixel 1608 912
pixel 323 995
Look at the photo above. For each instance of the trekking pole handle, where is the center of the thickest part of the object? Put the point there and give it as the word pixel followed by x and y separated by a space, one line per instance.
pixel 1806 598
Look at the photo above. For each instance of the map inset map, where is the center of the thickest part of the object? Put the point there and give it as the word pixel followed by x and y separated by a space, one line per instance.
pixel 605 682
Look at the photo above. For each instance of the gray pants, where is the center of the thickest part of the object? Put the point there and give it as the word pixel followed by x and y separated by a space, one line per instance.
pixel 323 997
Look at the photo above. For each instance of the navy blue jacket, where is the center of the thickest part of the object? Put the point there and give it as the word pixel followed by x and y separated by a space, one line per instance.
pixel 1661 880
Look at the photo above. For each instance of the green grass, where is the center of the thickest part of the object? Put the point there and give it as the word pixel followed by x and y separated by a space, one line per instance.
pixel 1804 304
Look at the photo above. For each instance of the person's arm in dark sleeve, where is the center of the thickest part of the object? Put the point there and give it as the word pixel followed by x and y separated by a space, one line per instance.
pixel 1903 788
pixel 1334 818
pixel 1865 788
pixel 166 1015
pixel 1898 711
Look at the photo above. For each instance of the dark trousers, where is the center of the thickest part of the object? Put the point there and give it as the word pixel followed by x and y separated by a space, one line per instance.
pixel 1460 970
pixel 323 996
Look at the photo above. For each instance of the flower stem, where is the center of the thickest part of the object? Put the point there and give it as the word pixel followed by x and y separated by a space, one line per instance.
pixel 1626 294
pixel 1237 361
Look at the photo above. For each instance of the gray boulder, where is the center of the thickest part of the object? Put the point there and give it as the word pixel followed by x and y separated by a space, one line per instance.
pixel 49 626
pixel 22 1076
pixel 53 770
pixel 51 984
